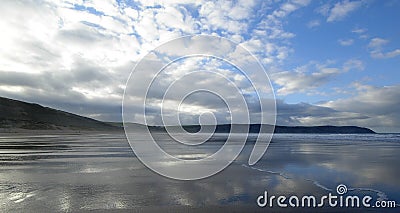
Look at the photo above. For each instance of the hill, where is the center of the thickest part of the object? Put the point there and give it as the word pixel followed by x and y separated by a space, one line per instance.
pixel 23 115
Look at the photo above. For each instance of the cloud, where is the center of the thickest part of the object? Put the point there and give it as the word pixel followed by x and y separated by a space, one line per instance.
pixel 295 82
pixel 353 64
pixel 379 104
pixel 359 30
pixel 182 77
pixel 377 43
pixel 313 23
pixel 369 106
pixel 341 9
pixel 305 114
pixel 77 55
pixel 83 51
pixel 323 9
pixel 309 77
pixel 270 31
pixel 389 54
pixel 346 42
pixel 376 49
pixel 230 17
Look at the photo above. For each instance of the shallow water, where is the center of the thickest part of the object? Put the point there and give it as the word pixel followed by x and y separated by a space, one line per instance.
pixel 100 171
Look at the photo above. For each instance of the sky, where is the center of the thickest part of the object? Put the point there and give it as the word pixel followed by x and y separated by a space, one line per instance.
pixel 329 62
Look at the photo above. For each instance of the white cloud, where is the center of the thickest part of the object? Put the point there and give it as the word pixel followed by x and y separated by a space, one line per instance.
pixel 346 42
pixel 359 30
pixel 108 7
pixel 274 46
pixel 253 45
pixel 353 64
pixel 229 17
pixel 341 9
pixel 313 23
pixel 25 44
pixel 389 54
pixel 376 49
pixel 377 43
pixel 323 9
pixel 300 82
pixel 308 78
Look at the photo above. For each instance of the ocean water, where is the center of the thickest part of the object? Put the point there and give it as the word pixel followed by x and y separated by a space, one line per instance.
pixel 100 172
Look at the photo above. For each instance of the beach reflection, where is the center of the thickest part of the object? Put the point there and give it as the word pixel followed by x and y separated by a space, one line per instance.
pixel 335 159
pixel 100 171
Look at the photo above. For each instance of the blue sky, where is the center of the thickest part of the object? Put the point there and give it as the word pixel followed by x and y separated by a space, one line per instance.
pixel 330 62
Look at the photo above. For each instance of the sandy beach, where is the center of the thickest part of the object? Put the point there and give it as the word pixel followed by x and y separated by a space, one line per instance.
pixel 82 172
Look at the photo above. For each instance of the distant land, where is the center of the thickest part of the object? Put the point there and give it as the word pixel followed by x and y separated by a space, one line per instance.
pixel 30 116
pixel 16 114
pixel 255 128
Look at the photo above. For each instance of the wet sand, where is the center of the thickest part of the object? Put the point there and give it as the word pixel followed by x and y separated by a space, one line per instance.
pixel 95 171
